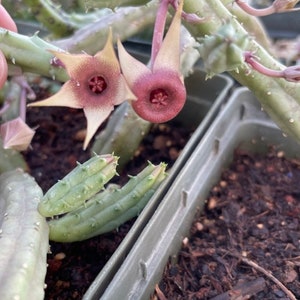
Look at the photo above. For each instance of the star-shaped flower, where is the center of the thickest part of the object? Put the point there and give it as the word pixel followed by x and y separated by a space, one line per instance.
pixel 96 85
pixel 160 89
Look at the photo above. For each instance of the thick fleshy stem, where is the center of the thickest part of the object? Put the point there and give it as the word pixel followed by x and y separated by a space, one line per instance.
pixel 88 4
pixel 124 126
pixel 279 98
pixel 277 6
pixel 32 55
pixel 24 238
pixel 291 73
pixel 110 208
pixel 125 21
pixel 11 160
pixel 58 22
pixel 79 185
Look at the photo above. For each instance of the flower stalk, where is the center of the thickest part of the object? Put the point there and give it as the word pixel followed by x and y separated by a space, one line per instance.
pixel 278 6
pixel 159 89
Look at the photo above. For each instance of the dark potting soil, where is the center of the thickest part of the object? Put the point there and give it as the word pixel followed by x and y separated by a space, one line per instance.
pixel 56 147
pixel 246 243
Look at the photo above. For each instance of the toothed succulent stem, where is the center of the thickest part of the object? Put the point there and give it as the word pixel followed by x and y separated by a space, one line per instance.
pixel 124 22
pixel 30 53
pixel 113 3
pixel 280 98
pixel 79 185
pixel 11 159
pixel 57 21
pixel 24 237
pixel 109 209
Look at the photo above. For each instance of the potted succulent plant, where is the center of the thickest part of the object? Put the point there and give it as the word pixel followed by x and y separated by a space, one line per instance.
pixel 80 53
pixel 197 113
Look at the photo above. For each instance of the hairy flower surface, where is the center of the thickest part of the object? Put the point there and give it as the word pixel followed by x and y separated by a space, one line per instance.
pixel 160 89
pixel 96 85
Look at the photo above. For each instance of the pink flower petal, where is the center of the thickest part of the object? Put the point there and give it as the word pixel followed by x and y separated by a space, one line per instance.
pixel 6 21
pixel 66 96
pixel 3 69
pixel 16 134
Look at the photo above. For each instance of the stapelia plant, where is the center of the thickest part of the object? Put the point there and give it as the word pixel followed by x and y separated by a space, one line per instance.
pixel 159 89
pixel 96 85
pixel 97 82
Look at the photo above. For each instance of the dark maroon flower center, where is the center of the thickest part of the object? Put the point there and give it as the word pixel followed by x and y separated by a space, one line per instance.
pixel 97 84
pixel 159 97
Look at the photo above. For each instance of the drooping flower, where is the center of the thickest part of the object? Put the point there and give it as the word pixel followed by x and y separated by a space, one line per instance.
pixel 8 23
pixel 96 85
pixel 159 89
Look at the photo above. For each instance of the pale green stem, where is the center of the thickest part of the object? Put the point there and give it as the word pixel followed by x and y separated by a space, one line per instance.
pixel 59 22
pixel 113 3
pixel 281 99
pixel 125 22
pixel 30 53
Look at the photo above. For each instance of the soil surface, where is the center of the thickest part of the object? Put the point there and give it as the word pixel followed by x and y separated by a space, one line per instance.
pixel 246 243
pixel 56 147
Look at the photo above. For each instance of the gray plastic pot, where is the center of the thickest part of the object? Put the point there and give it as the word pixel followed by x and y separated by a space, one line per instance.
pixel 241 124
pixel 283 25
pixel 204 102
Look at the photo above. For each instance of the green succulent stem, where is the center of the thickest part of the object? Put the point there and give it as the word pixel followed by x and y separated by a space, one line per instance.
pixel 78 186
pixel 113 3
pixel 124 22
pixel 24 238
pixel 124 127
pixel 11 159
pixel 57 21
pixel 280 98
pixel 30 54
pixel 110 208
